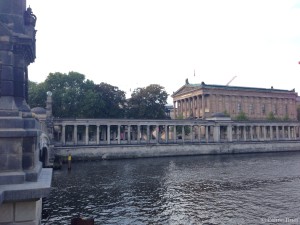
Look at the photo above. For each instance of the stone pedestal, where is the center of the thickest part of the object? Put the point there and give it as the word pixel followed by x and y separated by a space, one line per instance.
pixel 23 181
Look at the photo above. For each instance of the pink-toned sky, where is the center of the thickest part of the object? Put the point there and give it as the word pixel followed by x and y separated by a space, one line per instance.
pixel 134 43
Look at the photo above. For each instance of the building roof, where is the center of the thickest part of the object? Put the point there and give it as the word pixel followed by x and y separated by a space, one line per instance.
pixel 191 87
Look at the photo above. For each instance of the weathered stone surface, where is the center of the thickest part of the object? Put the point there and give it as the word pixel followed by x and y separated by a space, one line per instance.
pixel 14 162
pixel 28 190
pixel 11 146
pixel 29 144
pixel 27 161
pixel 25 211
pixel 12 178
pixel 6 213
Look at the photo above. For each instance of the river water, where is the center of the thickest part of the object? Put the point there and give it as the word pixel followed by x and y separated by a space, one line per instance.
pixel 222 189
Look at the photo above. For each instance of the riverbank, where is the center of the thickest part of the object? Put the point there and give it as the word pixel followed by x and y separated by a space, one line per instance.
pixel 80 153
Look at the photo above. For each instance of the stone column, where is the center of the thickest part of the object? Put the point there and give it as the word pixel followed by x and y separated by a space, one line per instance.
pixel 199 133
pixel 229 133
pixel 245 132
pixel 271 133
pixel 148 134
pixel 289 132
pixel 206 133
pixel 265 132
pixel 217 133
pixel 203 106
pixel 182 133
pixel 251 133
pixel 238 134
pixel 187 108
pixel 194 106
pixel 175 110
pixel 63 135
pixel 175 134
pixel 198 106
pixel 277 132
pixel 119 134
pixel 157 133
pixel 86 134
pixel 97 135
pixel 75 135
pixel 108 134
pixel 128 134
pixel 167 133
pixel 258 132
pixel 138 134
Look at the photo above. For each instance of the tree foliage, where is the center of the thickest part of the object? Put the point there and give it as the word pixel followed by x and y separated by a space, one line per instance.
pixel 241 116
pixel 75 96
pixel 148 103
pixel 36 94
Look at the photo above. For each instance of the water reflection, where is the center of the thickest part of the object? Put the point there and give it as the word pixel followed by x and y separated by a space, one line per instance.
pixel 232 189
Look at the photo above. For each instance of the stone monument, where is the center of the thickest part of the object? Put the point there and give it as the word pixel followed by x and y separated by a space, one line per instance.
pixel 23 181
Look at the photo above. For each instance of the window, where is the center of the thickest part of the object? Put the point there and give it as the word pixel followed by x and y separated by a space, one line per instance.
pixel 251 109
pixel 239 107
pixel 275 109
pixel 263 109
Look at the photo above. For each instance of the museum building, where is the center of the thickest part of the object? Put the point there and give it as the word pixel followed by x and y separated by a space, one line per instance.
pixel 205 100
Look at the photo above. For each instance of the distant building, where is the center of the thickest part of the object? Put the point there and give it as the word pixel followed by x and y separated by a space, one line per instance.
pixel 203 100
pixel 169 111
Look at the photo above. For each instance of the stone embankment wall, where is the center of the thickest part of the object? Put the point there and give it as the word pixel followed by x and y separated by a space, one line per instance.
pixel 142 151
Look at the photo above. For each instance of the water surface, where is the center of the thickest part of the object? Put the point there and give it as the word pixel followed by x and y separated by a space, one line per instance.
pixel 223 189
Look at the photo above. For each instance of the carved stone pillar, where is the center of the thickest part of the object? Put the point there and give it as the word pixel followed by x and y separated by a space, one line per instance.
pixel 167 133
pixel 203 106
pixel 86 134
pixel 75 135
pixel 108 134
pixel 157 134
pixel 229 133
pixel 63 135
pixel 175 134
pixel 138 134
pixel 175 109
pixel 97 135
pixel 148 134
pixel 119 134
pixel 128 134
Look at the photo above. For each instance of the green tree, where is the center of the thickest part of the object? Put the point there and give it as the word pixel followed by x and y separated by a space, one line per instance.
pixel 36 94
pixel 271 117
pixel 111 101
pixel 68 93
pixel 75 96
pixel 148 103
pixel 241 116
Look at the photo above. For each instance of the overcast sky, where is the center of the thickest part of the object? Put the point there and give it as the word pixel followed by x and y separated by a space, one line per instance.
pixel 134 43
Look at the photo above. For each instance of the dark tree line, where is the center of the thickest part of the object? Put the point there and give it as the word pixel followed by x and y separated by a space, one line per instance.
pixel 76 97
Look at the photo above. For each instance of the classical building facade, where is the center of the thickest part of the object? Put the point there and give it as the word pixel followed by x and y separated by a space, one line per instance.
pixel 204 100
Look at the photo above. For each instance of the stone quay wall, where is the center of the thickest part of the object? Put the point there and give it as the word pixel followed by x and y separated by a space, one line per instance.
pixel 161 150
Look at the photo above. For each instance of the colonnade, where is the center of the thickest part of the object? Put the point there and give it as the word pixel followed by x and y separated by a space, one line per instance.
pixel 191 107
pixel 109 132
pixel 255 107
